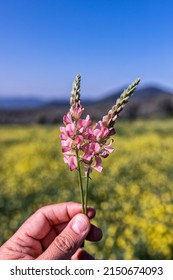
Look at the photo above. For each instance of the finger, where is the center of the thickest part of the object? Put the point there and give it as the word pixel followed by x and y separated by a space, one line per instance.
pixel 69 240
pixel 81 254
pixel 41 222
pixel 95 234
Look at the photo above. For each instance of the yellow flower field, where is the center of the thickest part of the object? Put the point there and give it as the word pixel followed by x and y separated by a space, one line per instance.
pixel 133 195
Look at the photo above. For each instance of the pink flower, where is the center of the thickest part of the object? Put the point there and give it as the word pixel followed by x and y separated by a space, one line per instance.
pixel 71 161
pixel 78 141
pixel 67 118
pixel 89 142
pixel 100 132
pixel 77 111
pixel 89 149
pixel 97 165
pixel 105 120
pixel 83 125
pixel 106 150
pixel 70 130
pixel 91 156
pixel 66 145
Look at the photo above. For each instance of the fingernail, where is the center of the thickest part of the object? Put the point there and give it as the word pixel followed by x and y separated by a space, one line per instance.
pixel 80 224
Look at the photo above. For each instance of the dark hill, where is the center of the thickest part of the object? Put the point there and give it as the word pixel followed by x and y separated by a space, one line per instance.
pixel 147 102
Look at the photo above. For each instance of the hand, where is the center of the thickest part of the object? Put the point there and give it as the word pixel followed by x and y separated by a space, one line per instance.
pixel 53 232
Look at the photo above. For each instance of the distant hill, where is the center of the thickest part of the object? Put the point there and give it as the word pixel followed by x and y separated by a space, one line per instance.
pixel 147 102
pixel 19 103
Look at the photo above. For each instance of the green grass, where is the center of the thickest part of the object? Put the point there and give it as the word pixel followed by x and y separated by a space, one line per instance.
pixel 133 195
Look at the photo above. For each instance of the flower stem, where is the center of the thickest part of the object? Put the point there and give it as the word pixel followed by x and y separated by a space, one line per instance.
pixel 80 183
pixel 81 189
pixel 86 190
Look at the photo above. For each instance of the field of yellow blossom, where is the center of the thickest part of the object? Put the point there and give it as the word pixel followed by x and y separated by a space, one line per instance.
pixel 133 195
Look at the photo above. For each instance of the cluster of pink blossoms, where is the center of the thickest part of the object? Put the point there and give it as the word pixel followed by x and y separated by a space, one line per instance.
pixel 82 142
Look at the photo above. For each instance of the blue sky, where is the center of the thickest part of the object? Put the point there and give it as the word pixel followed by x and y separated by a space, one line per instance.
pixel 45 43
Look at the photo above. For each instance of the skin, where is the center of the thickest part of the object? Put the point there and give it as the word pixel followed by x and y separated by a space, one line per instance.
pixel 54 232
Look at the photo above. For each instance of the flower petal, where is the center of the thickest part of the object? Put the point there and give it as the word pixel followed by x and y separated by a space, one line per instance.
pixel 97 163
pixel 72 162
pixel 67 118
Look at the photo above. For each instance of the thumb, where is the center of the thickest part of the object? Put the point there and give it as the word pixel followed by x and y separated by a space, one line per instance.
pixel 69 240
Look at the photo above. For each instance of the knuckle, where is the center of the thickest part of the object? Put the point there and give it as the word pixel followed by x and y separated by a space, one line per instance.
pixel 64 243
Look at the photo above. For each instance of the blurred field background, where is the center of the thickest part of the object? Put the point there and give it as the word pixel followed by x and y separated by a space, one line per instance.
pixel 133 195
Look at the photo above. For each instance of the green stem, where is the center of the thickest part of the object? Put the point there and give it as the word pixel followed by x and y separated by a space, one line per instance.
pixel 80 183
pixel 81 188
pixel 86 190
